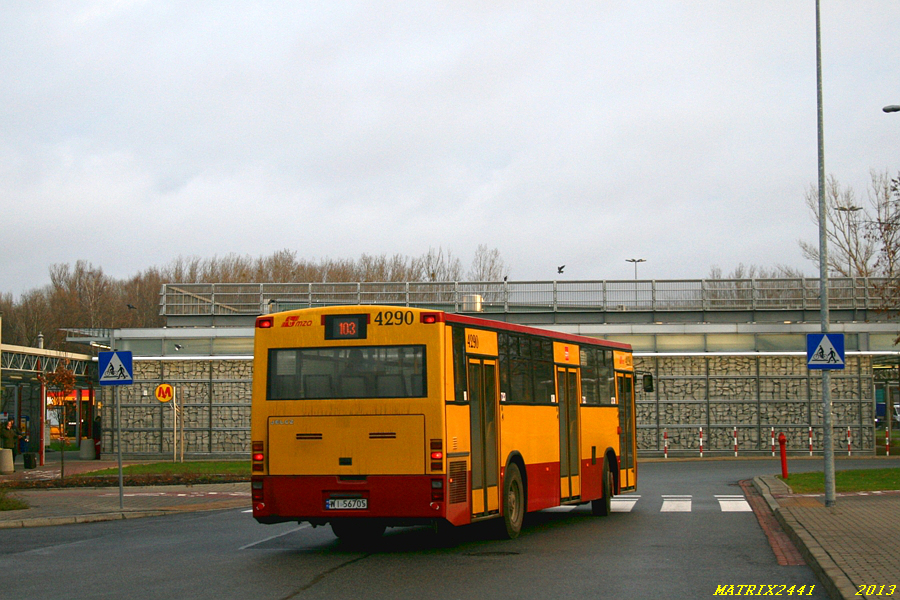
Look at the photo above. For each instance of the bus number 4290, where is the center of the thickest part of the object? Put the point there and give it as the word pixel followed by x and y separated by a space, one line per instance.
pixel 395 317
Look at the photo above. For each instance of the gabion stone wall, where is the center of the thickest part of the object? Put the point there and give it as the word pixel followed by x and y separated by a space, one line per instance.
pixel 213 398
pixel 751 396
pixel 754 394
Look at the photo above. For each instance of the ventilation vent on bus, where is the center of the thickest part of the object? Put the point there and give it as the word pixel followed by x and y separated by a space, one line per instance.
pixel 309 436
pixel 382 435
pixel 458 483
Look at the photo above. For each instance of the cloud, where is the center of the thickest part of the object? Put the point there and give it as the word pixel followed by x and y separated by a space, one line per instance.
pixel 585 133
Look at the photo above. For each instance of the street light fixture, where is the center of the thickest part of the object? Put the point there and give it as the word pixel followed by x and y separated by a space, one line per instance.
pixel 849 210
pixel 891 108
pixel 635 262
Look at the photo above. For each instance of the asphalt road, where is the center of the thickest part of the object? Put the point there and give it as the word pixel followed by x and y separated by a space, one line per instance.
pixel 683 535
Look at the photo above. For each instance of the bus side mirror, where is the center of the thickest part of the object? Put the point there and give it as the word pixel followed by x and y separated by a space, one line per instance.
pixel 647 380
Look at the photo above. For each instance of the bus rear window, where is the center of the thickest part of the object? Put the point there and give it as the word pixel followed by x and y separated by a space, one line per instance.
pixel 355 372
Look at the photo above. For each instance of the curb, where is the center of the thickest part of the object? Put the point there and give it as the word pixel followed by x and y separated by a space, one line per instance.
pixel 72 520
pixel 835 581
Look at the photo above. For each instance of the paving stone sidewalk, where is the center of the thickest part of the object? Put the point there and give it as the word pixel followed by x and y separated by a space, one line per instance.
pixel 57 506
pixel 853 546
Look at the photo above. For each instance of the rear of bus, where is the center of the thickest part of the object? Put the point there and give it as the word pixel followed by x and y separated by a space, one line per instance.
pixel 347 419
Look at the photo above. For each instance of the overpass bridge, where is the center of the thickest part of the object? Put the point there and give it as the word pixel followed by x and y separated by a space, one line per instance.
pixel 547 302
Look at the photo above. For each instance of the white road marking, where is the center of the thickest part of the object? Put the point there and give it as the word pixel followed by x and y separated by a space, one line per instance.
pixel 624 503
pixel 676 503
pixel 733 503
pixel 272 537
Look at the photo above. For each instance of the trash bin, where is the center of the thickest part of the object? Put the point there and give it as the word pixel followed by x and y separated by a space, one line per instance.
pixel 86 449
pixel 6 461
pixel 30 460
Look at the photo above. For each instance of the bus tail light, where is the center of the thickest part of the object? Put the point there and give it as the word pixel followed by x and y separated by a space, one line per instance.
pixel 257 494
pixel 258 456
pixel 437 455
pixel 265 322
pixel 437 490
pixel 430 318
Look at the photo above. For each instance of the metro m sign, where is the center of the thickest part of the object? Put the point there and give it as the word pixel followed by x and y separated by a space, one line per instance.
pixel 164 392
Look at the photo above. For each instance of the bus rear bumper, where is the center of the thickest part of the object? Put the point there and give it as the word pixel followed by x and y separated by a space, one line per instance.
pixel 399 499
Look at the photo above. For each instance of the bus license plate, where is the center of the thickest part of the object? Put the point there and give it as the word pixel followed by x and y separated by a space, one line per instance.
pixel 346 504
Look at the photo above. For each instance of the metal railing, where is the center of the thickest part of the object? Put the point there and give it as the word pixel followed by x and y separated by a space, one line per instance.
pixel 853 293
pixel 39 360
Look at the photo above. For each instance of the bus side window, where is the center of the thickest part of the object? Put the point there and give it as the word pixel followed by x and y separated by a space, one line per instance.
pixel 589 381
pixel 459 364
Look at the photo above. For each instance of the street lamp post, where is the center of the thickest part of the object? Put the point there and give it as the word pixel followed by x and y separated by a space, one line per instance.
pixel 827 416
pixel 635 262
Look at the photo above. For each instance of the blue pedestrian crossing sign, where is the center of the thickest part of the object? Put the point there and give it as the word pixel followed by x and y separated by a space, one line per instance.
pixel 115 368
pixel 825 350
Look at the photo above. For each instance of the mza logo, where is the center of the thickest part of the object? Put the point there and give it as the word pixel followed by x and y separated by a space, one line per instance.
pixel 296 322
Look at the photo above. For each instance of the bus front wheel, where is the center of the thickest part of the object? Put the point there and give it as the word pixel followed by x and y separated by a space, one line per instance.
pixel 513 501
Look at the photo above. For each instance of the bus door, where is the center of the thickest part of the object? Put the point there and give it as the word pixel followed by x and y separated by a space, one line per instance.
pixel 625 393
pixel 483 400
pixel 568 399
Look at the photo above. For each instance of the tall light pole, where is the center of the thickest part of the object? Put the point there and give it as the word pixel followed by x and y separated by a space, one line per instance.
pixel 827 417
pixel 635 262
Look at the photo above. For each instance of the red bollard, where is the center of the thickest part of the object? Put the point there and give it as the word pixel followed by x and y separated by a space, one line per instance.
pixel 782 441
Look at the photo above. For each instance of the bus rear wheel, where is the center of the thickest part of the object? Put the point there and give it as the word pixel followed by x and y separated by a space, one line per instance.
pixel 356 531
pixel 603 506
pixel 513 502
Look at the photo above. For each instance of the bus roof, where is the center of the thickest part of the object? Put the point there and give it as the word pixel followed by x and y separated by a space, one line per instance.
pixel 556 335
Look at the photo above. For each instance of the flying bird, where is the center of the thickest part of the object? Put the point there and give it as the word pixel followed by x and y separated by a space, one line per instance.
pixel 131 307
pixel 178 347
pixel 560 268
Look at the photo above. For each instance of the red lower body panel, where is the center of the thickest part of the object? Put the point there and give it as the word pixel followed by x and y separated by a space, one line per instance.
pixel 303 498
pixel 543 485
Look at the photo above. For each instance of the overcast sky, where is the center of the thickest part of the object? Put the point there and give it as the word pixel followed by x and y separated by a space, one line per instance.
pixel 682 132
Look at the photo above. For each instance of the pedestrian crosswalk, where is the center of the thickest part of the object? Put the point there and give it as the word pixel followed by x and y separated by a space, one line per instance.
pixel 683 503
pixel 675 503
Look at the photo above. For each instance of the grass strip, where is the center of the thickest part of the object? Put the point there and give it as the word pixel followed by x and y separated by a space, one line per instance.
pixel 859 480
pixel 198 467
pixel 7 502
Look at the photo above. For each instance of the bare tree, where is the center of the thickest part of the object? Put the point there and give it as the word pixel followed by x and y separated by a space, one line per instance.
pixel 487 265
pixel 61 381
pixel 25 320
pixel 884 231
pixel 863 241
pixel 851 253
pixel 82 296
pixel 438 266
pixel 743 271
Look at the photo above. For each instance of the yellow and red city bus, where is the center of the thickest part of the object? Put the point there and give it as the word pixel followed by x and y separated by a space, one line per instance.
pixel 365 417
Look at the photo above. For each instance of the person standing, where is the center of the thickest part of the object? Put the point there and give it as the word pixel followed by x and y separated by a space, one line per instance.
pixel 9 436
pixel 97 435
